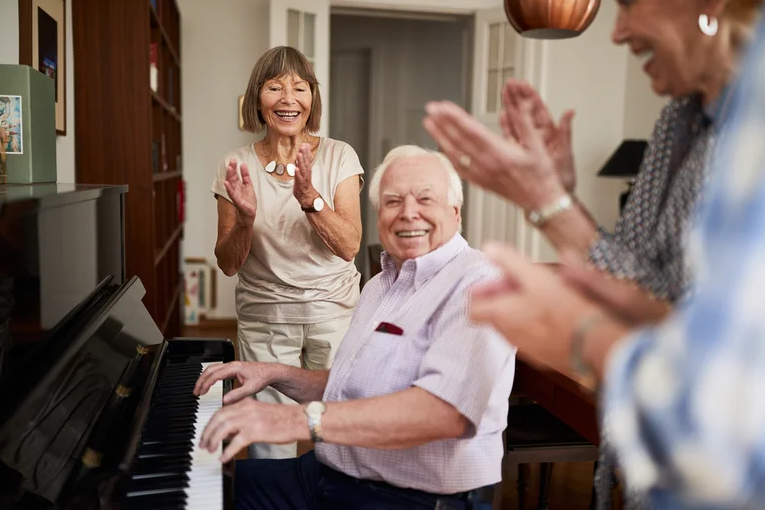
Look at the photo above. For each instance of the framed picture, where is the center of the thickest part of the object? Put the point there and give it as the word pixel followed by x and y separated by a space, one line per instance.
pixel 11 133
pixel 199 289
pixel 42 45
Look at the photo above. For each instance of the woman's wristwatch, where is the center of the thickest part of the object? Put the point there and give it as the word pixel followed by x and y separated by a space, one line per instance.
pixel 557 206
pixel 318 205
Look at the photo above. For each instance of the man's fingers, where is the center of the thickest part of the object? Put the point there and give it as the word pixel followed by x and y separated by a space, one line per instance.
pixel 223 430
pixel 237 443
pixel 238 394
pixel 214 374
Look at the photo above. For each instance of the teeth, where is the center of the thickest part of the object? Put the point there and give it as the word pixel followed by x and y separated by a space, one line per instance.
pixel 412 233
pixel 645 56
pixel 288 114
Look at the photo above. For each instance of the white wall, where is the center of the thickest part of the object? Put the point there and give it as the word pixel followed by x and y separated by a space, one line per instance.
pixel 9 31
pixel 220 46
pixel 604 84
pixel 9 54
pixel 413 62
pixel 588 74
pixel 65 144
pixel 641 104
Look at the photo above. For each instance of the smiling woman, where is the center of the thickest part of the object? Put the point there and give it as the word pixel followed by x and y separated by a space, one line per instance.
pixel 691 50
pixel 289 225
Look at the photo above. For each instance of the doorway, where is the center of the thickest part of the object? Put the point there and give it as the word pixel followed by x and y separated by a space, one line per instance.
pixel 350 117
pixel 384 67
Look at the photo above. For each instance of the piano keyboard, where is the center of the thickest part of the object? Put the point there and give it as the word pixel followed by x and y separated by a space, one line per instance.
pixel 171 471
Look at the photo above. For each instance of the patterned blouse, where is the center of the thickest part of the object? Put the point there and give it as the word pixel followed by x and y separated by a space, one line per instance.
pixel 649 239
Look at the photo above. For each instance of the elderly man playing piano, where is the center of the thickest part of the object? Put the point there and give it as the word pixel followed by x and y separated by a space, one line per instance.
pixel 412 412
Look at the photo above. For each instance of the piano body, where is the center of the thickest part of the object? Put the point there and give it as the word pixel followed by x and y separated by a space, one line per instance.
pixel 96 410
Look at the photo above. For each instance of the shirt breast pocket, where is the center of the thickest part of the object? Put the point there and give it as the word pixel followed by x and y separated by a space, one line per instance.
pixel 386 363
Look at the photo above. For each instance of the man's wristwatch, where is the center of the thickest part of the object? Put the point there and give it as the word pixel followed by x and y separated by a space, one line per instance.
pixel 557 206
pixel 318 205
pixel 314 410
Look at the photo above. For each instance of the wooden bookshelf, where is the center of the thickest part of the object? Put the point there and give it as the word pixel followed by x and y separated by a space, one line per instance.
pixel 128 131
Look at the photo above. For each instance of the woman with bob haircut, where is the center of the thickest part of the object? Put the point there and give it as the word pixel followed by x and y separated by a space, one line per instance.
pixel 289 226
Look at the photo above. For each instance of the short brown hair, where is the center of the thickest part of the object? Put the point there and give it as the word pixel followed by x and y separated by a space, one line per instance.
pixel 274 63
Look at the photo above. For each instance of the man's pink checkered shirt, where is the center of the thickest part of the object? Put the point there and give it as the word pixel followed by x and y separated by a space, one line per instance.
pixel 467 365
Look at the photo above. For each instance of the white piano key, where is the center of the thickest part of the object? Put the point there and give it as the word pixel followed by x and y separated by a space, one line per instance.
pixel 205 491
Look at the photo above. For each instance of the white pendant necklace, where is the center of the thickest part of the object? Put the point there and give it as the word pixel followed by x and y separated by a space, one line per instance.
pixel 279 169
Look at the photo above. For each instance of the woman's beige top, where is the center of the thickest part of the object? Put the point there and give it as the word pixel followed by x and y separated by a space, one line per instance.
pixel 290 275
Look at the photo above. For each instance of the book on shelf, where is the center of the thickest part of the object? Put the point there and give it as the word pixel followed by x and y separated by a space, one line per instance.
pixel 164 154
pixel 153 67
pixel 170 86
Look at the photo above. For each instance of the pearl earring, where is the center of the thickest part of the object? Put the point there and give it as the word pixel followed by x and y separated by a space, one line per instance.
pixel 708 25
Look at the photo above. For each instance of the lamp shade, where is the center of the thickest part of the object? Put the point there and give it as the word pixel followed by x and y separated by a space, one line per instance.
pixel 551 19
pixel 625 161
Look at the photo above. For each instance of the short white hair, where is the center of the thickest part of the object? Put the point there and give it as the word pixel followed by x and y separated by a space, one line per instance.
pixel 455 184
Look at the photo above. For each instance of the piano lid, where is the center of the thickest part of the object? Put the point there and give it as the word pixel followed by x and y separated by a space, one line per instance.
pixel 57 397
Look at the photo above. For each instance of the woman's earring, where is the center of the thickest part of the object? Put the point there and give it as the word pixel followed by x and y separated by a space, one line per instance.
pixel 708 25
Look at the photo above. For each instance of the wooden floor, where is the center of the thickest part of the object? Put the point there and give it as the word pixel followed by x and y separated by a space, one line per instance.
pixel 571 483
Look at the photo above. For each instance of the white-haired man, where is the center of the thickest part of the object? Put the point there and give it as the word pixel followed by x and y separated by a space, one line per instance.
pixel 412 412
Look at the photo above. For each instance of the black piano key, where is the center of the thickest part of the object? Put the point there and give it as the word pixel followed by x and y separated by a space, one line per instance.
pixel 175 481
pixel 148 501
pixel 153 464
pixel 168 449
pixel 165 465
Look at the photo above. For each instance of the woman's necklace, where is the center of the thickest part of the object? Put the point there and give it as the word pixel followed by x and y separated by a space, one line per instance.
pixel 278 168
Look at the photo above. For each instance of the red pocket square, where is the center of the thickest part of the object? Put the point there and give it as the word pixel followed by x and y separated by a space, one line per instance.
pixel 387 327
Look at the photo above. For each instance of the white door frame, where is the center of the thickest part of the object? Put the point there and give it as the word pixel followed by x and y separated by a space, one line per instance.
pixel 482 209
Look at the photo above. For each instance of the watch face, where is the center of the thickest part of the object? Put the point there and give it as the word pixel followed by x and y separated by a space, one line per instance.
pixel 318 203
pixel 315 408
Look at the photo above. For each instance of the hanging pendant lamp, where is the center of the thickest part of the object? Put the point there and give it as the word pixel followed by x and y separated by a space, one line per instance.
pixel 551 19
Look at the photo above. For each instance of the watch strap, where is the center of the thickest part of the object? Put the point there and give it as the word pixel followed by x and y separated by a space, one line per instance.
pixel 557 206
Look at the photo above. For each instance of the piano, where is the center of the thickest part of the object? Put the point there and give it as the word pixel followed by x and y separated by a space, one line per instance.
pixel 96 407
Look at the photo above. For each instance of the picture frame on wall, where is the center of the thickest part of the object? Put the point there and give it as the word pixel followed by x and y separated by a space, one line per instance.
pixel 42 46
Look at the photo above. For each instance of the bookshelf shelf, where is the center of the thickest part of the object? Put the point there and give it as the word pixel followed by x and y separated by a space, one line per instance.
pixel 129 125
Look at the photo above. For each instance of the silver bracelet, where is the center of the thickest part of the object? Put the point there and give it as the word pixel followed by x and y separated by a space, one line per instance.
pixel 584 372
pixel 557 206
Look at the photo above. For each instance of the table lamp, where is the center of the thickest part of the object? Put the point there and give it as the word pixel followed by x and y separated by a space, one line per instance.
pixel 624 163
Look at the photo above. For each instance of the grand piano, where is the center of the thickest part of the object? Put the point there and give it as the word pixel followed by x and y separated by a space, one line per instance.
pixel 96 409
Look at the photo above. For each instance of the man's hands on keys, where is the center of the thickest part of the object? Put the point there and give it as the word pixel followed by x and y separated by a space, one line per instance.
pixel 252 378
pixel 249 421
pixel 245 420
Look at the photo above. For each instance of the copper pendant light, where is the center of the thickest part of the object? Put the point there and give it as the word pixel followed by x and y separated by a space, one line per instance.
pixel 551 19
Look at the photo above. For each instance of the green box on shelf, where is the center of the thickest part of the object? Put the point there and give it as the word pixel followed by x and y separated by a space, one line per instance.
pixel 28 114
